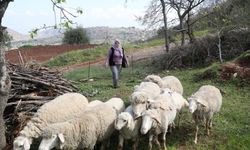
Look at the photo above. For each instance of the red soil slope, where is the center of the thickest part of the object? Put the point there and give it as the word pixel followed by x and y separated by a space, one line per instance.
pixel 40 53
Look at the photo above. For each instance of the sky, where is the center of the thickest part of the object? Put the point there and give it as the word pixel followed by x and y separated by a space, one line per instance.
pixel 25 15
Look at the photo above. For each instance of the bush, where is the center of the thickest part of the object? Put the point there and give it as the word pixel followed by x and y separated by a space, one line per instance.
pixel 76 36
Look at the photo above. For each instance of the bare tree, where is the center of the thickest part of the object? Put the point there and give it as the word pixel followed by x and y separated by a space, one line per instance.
pixel 183 9
pixel 155 16
pixel 165 25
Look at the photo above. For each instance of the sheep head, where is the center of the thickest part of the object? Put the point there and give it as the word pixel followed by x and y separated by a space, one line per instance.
pixel 149 117
pixel 155 79
pixel 124 119
pixel 54 141
pixel 139 102
pixel 196 104
pixel 22 143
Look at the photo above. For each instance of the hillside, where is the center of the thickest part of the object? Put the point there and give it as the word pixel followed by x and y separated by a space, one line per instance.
pixel 16 35
pixel 96 35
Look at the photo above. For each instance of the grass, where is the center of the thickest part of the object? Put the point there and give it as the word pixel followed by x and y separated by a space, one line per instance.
pixel 84 55
pixel 202 32
pixel 78 56
pixel 231 127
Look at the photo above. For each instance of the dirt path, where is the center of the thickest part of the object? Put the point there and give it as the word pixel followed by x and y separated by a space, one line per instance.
pixel 140 54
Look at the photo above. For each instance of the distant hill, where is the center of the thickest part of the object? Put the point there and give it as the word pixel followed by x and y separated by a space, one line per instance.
pixel 16 35
pixel 96 35
pixel 99 35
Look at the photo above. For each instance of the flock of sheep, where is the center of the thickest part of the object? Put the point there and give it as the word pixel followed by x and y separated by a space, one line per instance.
pixel 71 122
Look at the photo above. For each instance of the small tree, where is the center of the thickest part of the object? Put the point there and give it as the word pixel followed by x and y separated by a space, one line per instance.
pixel 76 36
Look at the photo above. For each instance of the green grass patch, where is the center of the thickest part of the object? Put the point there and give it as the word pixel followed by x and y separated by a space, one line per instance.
pixel 78 56
pixel 202 32
pixel 85 55
pixel 231 126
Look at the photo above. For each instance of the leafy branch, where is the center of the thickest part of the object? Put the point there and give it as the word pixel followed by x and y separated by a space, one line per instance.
pixel 65 17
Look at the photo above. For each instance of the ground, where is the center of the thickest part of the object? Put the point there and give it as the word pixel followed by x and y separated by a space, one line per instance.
pixel 40 53
pixel 44 53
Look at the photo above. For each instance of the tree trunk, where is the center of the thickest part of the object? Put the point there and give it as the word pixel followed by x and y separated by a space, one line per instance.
pixel 190 30
pixel 4 88
pixel 165 25
pixel 182 31
pixel 5 82
pixel 219 46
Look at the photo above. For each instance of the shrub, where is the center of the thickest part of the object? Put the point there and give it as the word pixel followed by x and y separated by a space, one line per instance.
pixel 76 36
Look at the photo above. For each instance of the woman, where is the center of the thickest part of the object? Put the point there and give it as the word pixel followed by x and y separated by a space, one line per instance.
pixel 114 60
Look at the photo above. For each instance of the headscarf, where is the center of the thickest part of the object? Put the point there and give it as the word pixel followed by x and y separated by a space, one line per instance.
pixel 119 45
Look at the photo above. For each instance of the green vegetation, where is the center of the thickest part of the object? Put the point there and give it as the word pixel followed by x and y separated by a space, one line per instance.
pixel 77 56
pixel 80 56
pixel 231 129
pixel 202 32
pixel 75 36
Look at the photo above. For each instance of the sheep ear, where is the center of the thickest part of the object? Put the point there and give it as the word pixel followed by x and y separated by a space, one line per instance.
pixel 61 140
pixel 157 119
pixel 202 103
pixel 61 137
pixel 150 100
pixel 26 144
pixel 129 122
pixel 148 103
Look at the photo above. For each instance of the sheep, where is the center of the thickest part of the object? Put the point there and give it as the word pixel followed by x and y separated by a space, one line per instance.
pixel 117 104
pixel 155 79
pixel 82 132
pixel 128 127
pixel 59 109
pixel 156 121
pixel 140 96
pixel 173 84
pixel 164 102
pixel 94 103
pixel 203 104
pixel 170 82
pixel 178 100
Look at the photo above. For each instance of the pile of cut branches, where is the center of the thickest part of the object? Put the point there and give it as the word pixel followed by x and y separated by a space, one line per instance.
pixel 32 85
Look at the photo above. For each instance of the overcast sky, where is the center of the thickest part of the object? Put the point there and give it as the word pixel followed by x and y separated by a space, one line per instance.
pixel 25 15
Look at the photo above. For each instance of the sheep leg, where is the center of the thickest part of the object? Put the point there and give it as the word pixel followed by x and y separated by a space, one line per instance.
pixel 104 144
pixel 196 134
pixel 135 143
pixel 150 142
pixel 208 126
pixel 164 141
pixel 156 141
pixel 121 140
pixel 171 127
pixel 179 118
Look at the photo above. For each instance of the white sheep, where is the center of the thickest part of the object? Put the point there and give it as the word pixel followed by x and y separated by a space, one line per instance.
pixel 170 82
pixel 178 100
pixel 203 104
pixel 94 103
pixel 164 102
pixel 156 121
pixel 128 127
pixel 91 126
pixel 173 84
pixel 140 96
pixel 59 109
pixel 155 79
pixel 117 104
